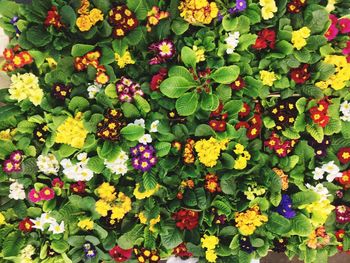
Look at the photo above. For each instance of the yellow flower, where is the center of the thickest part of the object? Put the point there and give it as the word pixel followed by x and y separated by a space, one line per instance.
pixel 209 150
pixel 248 221
pixel 26 86
pixel 52 63
pixel 198 11
pixel 95 15
pixel 209 242
pixel 106 192
pixel 84 23
pixel 122 207
pixel 240 163
pixel 199 53
pixel 86 224
pixel 124 60
pixel 7 134
pixel 210 255
pixel 267 77
pixel 320 211
pixel 268 9
pixel 72 132
pixel 2 219
pixel 147 193
pixel 239 148
pixel 299 37
pixel 152 222
pixel 102 207
pixel 331 5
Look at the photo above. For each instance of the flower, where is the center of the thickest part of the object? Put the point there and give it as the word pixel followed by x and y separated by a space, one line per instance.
pixel 238 84
pixel 152 222
pixel 72 132
pixel 56 228
pixel 109 128
pixel 78 171
pixel 299 37
pixel 232 42
pixel 198 12
pixel 246 245
pixel 209 242
pixel 94 89
pixel 78 187
pixel 127 89
pixel 212 183
pixel 34 196
pixel 53 18
pixel 144 157
pixel 248 221
pixel 2 219
pixel 164 50
pixel 123 21
pixel 119 254
pixel 210 255
pixel 25 225
pixel 301 74
pixel 209 150
pixel 119 165
pixel 285 207
pixel 295 6
pixel 181 251
pixel 26 86
pixel 268 9
pixel 61 91
pixel 186 219
pixel 344 25
pixel 17 191
pixel 268 78
pixel 106 192
pixel 266 39
pixel 158 78
pixel 84 23
pixel 344 155
pixel 144 194
pixel 47 193
pixel 86 224
pixel 241 5
pixel 90 250
pixel 48 164
pixel 154 16
pixel 154 126
pixel 123 60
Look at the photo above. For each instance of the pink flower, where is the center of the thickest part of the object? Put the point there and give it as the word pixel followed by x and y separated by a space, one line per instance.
pixel 8 166
pixel 333 19
pixel 34 196
pixel 16 156
pixel 56 182
pixel 332 32
pixel 344 25
pixel 47 193
pixel 346 50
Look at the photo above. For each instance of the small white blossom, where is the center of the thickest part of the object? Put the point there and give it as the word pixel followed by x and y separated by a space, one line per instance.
pixel 154 126
pixel 331 168
pixel 145 139
pixel 318 173
pixel 17 191
pixel 45 218
pixel 26 254
pixel 140 122
pixel 345 110
pixel 48 164
pixel 38 224
pixel 94 89
pixel 232 42
pixel 119 165
pixel 319 189
pixel 78 171
pixel 56 228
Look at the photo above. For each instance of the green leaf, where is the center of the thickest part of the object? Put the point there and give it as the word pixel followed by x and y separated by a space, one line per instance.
pixel 78 103
pixel 278 224
pixel 59 246
pixel 229 23
pixel 176 86
pixel 129 110
pixel 132 132
pixel 204 130
pixel 226 75
pixel 285 47
pixel 142 104
pixel 12 244
pixel 188 57
pixel 149 181
pixel 68 15
pixel 172 238
pixel 126 241
pixel 222 206
pixel 96 164
pixel 79 50
pixel 301 225
pixel 179 26
pixel 233 106
pixel 303 198
pixel 209 102
pixel 187 104
pixel 245 41
pixel 224 92
pixel 38 36
pixel 180 71
pixel 333 126
pixel 316 132
pixel 139 7
pixel 111 91
pixel 163 148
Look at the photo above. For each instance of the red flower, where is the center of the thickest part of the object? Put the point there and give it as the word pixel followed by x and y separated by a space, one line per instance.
pixel 78 187
pixel 217 112
pixel 26 225
pixel 158 79
pixel 242 124
pixel 244 111
pixel 8 54
pixel 119 254
pixel 318 114
pixel 340 235
pixel 238 84
pixel 345 179
pixel 26 57
pixel 181 251
pixel 212 183
pixel 301 74
pixel 18 61
pixel 53 18
pixel 256 120
pixel 56 182
pixel 253 131
pixel 47 193
pixel 186 219
pixel 219 126
pixel 266 38
pixel 344 155
pixel 272 142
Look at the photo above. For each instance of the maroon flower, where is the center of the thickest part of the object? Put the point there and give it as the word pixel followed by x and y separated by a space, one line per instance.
pixel 238 84
pixel 344 155
pixel 158 79
pixel 181 251
pixel 57 182
pixel 78 187
pixel 266 38
pixel 26 225
pixel 119 254
pixel 301 74
pixel 186 219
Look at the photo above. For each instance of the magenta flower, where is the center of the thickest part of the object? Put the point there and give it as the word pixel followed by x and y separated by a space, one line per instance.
pixel 332 32
pixel 333 19
pixel 16 156
pixel 8 166
pixel 47 193
pixel 344 25
pixel 163 50
pixel 34 196
pixel 56 182
pixel 346 50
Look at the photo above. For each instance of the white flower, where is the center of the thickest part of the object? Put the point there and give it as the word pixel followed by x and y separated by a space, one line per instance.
pixel 37 224
pixel 345 110
pixel 319 189
pixel 331 177
pixel 232 42
pixel 331 168
pixel 66 163
pixel 154 126
pixel 94 89
pixel 174 259
pixel 48 164
pixel 26 253
pixel 17 191
pixel 45 218
pixel 318 173
pixel 119 165
pixel 140 122
pixel 146 138
pixel 84 174
pixel 56 228
pixel 123 156
pixel 82 157
pixel 78 171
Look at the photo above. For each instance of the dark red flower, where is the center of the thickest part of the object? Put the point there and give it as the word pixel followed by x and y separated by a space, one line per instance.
pixel 266 38
pixel 219 126
pixel 119 254
pixel 186 219
pixel 253 131
pixel 238 84
pixel 57 182
pixel 78 187
pixel 344 155
pixel 53 18
pixel 26 225
pixel 244 112
pixel 158 79
pixel 242 124
pixel 295 6
pixel 181 251
pixel 301 74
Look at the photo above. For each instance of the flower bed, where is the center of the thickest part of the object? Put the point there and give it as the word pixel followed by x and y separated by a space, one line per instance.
pixel 138 130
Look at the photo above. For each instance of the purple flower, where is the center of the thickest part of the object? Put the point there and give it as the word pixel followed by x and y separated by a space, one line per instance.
pixel 8 166
pixel 14 20
pixel 141 148
pixel 285 207
pixel 134 151
pixel 232 11
pixel 241 5
pixel 145 165
pixel 135 163
pixel 220 17
pixel 147 154
pixel 153 161
pixel 16 156
pixel 89 249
